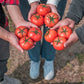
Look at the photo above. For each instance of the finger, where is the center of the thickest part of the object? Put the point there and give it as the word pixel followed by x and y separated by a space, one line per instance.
pixel 29 16
pixel 34 43
pixel 19 48
pixel 69 42
pixel 56 26
pixel 72 25
pixel 33 25
pixel 58 15
pixel 51 43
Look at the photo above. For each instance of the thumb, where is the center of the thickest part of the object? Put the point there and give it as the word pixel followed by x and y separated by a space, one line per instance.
pixel 29 16
pixel 66 44
pixel 19 48
pixel 56 26
pixel 72 25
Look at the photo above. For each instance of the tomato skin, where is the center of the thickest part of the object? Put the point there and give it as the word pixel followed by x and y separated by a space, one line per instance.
pixel 37 19
pixel 43 9
pixel 50 35
pixel 58 43
pixel 64 31
pixel 51 19
pixel 35 34
pixel 21 31
pixel 26 43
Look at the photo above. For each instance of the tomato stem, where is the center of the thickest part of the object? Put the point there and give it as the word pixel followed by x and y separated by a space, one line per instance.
pixel 36 31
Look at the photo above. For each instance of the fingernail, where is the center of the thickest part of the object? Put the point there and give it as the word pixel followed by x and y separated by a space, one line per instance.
pixel 64 45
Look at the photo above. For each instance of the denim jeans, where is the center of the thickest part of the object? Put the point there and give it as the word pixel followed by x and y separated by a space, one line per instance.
pixel 45 50
pixel 4 55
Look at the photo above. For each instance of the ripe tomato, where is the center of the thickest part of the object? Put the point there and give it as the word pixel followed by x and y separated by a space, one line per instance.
pixel 37 19
pixel 58 43
pixel 43 9
pixel 26 43
pixel 64 31
pixel 50 35
pixel 51 19
pixel 35 34
pixel 21 31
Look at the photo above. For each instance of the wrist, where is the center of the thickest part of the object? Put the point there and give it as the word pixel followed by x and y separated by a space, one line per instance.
pixel 34 4
pixel 8 37
pixel 70 20
pixel 19 23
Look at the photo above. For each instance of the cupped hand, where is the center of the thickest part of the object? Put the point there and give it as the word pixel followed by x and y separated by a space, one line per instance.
pixel 33 9
pixel 14 41
pixel 72 39
pixel 67 22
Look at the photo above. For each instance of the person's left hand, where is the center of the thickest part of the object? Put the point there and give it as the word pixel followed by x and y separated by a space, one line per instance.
pixel 72 39
pixel 54 9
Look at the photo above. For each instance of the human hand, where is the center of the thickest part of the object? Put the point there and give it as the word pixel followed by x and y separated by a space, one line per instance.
pixel 33 9
pixel 67 22
pixel 53 9
pixel 72 39
pixel 26 24
pixel 13 40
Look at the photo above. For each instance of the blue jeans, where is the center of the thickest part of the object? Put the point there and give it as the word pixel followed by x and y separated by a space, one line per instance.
pixel 45 50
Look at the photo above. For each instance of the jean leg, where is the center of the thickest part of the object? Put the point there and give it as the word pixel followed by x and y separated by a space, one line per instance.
pixel 34 54
pixel 3 69
pixel 48 52
pixel 61 7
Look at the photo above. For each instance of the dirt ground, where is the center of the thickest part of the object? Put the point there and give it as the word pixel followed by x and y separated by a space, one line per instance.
pixel 69 63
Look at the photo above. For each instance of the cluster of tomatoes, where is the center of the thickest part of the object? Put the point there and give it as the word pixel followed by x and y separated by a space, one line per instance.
pixel 43 16
pixel 59 37
pixel 28 37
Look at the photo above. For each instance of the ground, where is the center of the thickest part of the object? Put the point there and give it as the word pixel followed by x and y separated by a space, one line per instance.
pixel 68 63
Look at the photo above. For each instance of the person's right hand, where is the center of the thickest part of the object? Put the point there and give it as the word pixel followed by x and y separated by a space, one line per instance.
pixel 13 40
pixel 26 24
pixel 72 39
pixel 33 9
pixel 67 22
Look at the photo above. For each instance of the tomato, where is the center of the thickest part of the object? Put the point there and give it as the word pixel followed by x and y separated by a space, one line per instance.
pixel 26 43
pixel 51 19
pixel 21 31
pixel 37 19
pixel 43 9
pixel 58 43
pixel 50 35
pixel 35 34
pixel 64 31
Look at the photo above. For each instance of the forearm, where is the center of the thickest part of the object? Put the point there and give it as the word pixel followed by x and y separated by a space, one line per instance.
pixel 80 33
pixel 4 34
pixel 76 10
pixel 15 13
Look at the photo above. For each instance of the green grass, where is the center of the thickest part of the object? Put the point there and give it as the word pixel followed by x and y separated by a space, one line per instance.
pixel 80 57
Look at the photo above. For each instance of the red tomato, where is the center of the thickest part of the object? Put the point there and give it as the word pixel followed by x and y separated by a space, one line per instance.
pixel 37 19
pixel 26 43
pixel 35 34
pixel 21 31
pixel 43 9
pixel 50 35
pixel 64 31
pixel 51 19
pixel 58 43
